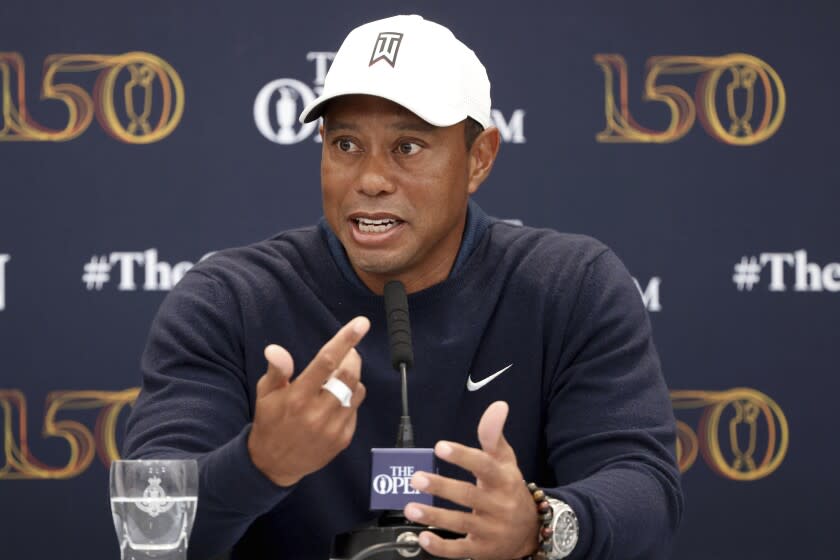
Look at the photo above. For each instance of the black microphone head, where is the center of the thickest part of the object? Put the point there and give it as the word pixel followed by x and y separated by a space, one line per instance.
pixel 399 328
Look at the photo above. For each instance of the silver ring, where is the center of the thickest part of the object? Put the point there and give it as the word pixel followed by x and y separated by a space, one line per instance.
pixel 340 390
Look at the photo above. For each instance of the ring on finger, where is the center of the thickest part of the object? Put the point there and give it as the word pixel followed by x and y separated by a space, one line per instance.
pixel 340 390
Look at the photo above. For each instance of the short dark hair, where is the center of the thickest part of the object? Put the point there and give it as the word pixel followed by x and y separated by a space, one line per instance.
pixel 472 128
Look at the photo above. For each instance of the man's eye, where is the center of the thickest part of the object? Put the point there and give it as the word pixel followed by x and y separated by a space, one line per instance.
pixel 408 148
pixel 345 145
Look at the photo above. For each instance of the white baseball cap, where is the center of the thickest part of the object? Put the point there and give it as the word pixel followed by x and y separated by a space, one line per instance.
pixel 413 62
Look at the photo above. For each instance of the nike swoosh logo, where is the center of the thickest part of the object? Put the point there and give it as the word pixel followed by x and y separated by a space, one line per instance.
pixel 476 385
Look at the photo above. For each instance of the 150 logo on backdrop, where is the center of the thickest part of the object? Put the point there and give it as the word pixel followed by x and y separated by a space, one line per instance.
pixel 280 101
pixel 753 98
pixel 742 434
pixel 82 442
pixel 137 97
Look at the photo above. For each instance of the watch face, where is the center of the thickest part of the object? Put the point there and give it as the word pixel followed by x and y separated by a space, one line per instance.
pixel 565 533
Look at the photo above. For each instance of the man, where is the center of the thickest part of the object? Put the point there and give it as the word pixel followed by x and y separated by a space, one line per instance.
pixel 577 388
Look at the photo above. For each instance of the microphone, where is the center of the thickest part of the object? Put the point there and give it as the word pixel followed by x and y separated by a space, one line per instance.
pixel 402 356
pixel 392 468
pixel 399 326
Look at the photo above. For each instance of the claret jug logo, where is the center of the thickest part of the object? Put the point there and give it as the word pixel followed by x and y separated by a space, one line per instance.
pixel 739 99
pixel 742 433
pixel 277 107
pixel 136 97
pixel 280 101
pixel 386 48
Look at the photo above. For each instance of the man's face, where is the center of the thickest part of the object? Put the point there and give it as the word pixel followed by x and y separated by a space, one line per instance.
pixel 395 190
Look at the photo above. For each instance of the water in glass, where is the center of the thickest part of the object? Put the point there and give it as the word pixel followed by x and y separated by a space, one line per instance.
pixel 153 505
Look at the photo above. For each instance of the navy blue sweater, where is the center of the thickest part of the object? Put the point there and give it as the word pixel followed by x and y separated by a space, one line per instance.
pixel 590 416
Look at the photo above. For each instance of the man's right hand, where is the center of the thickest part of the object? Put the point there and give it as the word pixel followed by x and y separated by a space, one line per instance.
pixel 299 427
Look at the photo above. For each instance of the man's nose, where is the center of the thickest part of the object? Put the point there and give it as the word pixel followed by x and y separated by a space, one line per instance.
pixel 375 178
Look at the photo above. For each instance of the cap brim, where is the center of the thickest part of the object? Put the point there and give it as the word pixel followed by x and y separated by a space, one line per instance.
pixel 438 117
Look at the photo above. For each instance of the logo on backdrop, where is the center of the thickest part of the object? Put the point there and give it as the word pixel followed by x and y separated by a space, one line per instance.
pixel 742 434
pixel 279 102
pixel 650 293
pixel 786 271
pixel 752 425
pixel 739 98
pixel 3 260
pixel 137 97
pixel 386 48
pixel 133 271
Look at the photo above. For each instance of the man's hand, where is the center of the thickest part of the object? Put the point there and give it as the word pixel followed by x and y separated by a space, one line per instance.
pixel 299 427
pixel 503 523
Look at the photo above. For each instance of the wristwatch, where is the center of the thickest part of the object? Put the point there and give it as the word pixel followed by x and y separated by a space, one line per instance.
pixel 565 529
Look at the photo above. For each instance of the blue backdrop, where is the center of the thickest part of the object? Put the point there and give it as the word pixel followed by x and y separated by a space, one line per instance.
pixel 694 138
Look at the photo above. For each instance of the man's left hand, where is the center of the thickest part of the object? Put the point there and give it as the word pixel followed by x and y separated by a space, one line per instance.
pixel 503 523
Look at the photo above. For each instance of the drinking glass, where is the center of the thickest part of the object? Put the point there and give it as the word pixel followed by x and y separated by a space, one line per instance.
pixel 153 503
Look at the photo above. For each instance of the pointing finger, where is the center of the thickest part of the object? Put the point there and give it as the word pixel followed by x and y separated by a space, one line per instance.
pixel 332 354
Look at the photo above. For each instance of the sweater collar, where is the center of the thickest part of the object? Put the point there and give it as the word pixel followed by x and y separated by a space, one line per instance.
pixel 476 224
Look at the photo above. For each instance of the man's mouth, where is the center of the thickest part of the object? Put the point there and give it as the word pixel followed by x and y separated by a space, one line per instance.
pixel 369 225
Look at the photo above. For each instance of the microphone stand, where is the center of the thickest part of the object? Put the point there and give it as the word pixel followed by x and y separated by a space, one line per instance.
pixel 393 533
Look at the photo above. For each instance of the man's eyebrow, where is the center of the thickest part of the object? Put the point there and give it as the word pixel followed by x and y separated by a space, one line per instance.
pixel 402 126
pixel 414 126
pixel 330 124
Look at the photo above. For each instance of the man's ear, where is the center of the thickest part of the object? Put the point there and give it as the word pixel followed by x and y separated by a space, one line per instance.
pixel 321 130
pixel 481 157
